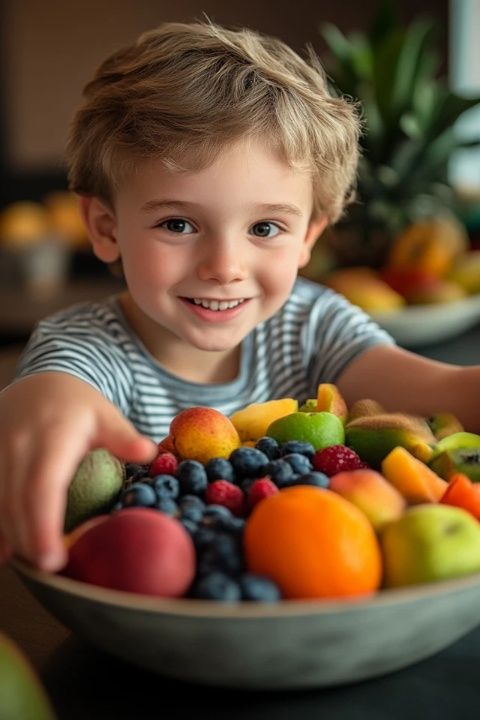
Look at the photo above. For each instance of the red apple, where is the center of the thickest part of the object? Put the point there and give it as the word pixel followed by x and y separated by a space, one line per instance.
pixel 137 550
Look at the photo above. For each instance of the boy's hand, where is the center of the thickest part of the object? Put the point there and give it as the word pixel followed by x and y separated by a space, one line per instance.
pixel 48 422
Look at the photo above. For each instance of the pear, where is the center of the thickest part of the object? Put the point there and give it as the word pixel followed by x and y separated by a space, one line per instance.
pixel 429 543
pixel 94 487
pixel 374 436
pixel 22 696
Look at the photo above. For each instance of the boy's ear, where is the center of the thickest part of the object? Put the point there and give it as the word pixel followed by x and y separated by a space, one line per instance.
pixel 100 222
pixel 314 230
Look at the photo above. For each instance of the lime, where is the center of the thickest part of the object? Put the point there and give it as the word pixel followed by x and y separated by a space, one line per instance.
pixel 21 694
pixel 94 488
pixel 321 429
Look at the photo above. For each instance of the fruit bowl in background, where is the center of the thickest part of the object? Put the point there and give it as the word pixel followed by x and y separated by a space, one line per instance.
pixel 418 325
pixel 286 645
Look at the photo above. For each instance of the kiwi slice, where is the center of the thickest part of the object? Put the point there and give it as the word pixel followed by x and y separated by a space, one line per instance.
pixel 459 460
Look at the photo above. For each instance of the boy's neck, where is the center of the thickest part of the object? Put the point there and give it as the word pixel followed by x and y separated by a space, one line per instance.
pixel 187 363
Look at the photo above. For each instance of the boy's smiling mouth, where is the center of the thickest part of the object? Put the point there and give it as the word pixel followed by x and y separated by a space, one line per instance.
pixel 216 305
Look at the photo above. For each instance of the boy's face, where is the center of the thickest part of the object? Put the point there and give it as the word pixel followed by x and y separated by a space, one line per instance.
pixel 207 255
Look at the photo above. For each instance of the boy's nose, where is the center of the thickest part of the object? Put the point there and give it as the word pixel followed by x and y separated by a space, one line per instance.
pixel 221 261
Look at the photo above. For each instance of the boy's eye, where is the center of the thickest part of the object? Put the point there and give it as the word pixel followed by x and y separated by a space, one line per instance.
pixel 177 225
pixel 265 229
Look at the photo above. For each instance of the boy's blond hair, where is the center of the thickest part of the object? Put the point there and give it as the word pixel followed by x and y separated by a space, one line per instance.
pixel 182 92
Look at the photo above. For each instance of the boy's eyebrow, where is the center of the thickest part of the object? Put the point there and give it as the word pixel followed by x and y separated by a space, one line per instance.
pixel 287 208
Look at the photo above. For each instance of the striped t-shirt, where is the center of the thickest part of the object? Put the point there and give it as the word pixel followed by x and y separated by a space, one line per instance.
pixel 311 339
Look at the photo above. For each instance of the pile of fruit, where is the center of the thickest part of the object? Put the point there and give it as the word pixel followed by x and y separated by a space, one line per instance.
pixel 282 502
pixel 430 262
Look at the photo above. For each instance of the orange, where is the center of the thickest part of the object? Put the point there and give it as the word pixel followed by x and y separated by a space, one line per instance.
pixel 314 544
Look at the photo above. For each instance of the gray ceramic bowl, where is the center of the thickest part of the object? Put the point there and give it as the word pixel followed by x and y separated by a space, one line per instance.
pixel 290 644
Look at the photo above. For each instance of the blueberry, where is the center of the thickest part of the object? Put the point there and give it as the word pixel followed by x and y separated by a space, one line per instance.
pixel 224 553
pixel 269 446
pixel 297 446
pixel 314 477
pixel 167 505
pixel 248 462
pixel 138 494
pixel 280 472
pixel 203 537
pixel 299 463
pixel 216 586
pixel 246 484
pixel 192 508
pixel 166 486
pixel 226 521
pixel 220 469
pixel 192 477
pixel 258 588
pixel 189 525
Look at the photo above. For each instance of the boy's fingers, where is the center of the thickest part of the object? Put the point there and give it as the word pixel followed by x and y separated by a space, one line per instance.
pixel 122 440
pixel 45 500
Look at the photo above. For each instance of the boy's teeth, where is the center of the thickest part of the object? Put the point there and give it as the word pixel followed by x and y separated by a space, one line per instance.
pixel 217 304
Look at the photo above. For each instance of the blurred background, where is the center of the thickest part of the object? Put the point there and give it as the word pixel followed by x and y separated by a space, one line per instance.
pixel 413 64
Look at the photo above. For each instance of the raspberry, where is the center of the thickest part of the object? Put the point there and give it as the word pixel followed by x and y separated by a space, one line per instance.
pixel 222 492
pixel 260 489
pixel 164 464
pixel 335 459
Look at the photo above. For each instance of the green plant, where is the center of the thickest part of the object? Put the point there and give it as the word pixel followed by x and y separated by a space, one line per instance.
pixel 409 114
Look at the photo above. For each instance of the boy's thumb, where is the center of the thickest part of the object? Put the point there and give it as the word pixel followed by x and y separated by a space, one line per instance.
pixel 121 438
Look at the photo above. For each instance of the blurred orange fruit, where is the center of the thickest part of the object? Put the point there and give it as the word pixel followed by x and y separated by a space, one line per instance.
pixel 313 544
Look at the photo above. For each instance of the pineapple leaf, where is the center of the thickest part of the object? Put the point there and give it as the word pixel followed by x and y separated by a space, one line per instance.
pixel 413 49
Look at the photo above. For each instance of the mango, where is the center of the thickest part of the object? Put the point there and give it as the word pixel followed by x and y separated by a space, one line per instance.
pixel 202 433
pixel 412 478
pixel 370 492
pixel 330 399
pixel 373 437
pixel 252 421
pixel 362 286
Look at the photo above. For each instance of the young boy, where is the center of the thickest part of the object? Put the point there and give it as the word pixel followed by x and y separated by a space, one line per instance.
pixel 207 162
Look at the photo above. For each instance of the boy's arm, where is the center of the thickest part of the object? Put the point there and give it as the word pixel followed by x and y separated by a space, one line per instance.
pixel 48 422
pixel 401 380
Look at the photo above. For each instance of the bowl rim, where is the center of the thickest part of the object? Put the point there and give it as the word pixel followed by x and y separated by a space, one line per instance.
pixel 427 310
pixel 190 607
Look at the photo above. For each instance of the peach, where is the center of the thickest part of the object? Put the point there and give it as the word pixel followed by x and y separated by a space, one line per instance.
pixel 253 420
pixel 371 493
pixel 415 480
pixel 136 550
pixel 203 433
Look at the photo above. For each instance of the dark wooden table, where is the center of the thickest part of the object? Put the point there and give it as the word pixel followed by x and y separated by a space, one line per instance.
pixel 84 683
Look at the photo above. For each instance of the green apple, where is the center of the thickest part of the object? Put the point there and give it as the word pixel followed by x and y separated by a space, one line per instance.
pixel 22 697
pixel 94 488
pixel 428 543
pixel 321 429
